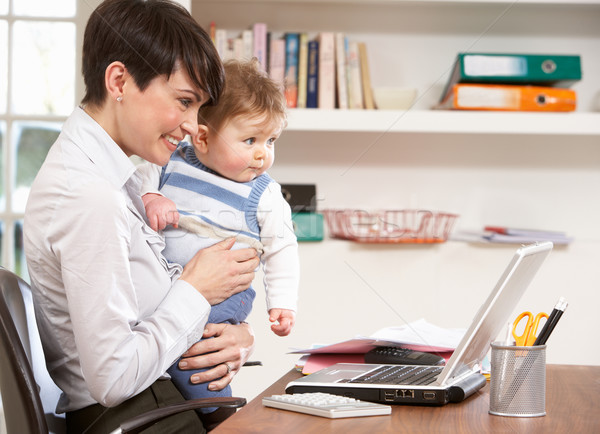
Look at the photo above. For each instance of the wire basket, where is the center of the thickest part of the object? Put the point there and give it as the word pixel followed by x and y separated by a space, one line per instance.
pixel 390 226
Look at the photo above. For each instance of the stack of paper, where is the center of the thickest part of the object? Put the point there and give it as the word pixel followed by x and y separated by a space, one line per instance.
pixel 495 234
pixel 512 235
pixel 419 336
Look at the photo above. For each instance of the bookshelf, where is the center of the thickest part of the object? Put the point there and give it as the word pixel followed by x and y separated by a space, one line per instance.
pixel 426 35
pixel 435 122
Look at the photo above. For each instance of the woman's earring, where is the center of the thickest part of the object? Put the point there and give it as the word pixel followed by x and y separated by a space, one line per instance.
pixel 119 98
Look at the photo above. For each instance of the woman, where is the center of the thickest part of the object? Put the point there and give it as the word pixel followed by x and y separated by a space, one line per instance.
pixel 113 314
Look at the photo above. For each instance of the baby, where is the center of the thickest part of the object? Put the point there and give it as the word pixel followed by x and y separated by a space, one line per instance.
pixel 218 188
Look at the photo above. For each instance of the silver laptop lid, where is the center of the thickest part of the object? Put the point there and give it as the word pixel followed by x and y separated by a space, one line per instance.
pixel 493 314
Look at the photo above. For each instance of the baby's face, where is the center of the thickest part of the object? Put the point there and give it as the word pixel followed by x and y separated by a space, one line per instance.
pixel 243 149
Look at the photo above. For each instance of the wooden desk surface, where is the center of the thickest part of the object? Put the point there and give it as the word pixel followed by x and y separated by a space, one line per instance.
pixel 572 406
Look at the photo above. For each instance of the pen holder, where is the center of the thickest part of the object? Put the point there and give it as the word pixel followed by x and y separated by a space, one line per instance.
pixel 518 381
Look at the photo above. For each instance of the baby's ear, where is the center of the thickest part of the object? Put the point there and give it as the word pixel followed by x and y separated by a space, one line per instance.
pixel 200 139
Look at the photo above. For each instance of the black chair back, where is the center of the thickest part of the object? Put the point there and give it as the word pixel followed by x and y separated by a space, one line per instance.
pixel 23 409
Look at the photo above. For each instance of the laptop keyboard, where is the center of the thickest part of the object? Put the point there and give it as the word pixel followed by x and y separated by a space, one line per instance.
pixel 406 375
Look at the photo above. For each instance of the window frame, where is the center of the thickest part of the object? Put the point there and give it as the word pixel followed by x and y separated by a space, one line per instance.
pixel 8 216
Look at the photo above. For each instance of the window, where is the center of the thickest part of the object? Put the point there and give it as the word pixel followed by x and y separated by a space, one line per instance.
pixel 40 84
pixel 38 75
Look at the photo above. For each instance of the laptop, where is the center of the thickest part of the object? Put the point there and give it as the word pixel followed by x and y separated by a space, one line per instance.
pixel 436 385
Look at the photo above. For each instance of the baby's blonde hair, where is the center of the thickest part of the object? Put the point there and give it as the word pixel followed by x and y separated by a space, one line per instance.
pixel 249 91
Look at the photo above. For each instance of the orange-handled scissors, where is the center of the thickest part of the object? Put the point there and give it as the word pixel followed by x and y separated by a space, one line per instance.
pixel 529 335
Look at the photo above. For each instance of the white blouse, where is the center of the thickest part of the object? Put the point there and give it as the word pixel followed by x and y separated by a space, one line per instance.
pixel 112 314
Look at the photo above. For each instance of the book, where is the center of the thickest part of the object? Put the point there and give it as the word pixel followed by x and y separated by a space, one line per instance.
pixel 238 48
pixel 341 70
pixel 212 31
pixel 259 35
pixel 268 44
pixel 369 101
pixel 292 41
pixel 248 44
pixel 277 61
pixel 229 47
pixel 302 70
pixel 326 81
pixel 221 42
pixel 539 69
pixel 312 76
pixel 467 96
pixel 355 77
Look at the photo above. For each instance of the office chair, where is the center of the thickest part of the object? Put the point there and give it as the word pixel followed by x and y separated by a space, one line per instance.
pixel 23 408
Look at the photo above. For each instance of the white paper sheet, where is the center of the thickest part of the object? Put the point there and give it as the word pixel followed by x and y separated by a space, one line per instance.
pixel 418 335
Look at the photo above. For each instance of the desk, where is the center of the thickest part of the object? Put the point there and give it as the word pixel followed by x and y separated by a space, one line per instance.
pixel 572 405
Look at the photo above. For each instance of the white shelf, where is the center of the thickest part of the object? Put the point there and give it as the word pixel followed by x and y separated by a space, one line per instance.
pixel 400 2
pixel 434 122
pixel 414 43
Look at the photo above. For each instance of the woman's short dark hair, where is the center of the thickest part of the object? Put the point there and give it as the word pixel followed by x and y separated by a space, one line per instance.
pixel 150 37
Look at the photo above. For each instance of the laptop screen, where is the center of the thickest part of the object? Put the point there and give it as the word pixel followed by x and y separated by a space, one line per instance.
pixel 492 316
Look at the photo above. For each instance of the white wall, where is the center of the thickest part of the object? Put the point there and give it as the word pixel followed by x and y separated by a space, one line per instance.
pixel 533 181
pixel 349 289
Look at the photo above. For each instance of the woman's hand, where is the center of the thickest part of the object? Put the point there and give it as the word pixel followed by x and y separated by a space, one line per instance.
pixel 229 349
pixel 218 272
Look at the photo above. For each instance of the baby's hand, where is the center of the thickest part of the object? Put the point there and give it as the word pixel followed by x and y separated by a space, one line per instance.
pixel 160 211
pixel 286 319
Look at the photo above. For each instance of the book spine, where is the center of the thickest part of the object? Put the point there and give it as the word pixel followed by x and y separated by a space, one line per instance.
pixel 351 96
pixel 212 31
pixel 229 49
pixel 326 81
pixel 366 76
pixel 260 44
pixel 267 54
pixel 238 48
pixel 221 42
pixel 312 76
pixel 277 61
pixel 355 77
pixel 292 41
pixel 248 43
pixel 341 73
pixel 302 70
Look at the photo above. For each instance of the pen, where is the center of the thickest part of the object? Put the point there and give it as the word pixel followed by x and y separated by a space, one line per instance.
pixel 557 312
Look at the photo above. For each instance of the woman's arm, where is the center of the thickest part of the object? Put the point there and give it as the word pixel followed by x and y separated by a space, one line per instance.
pixel 130 318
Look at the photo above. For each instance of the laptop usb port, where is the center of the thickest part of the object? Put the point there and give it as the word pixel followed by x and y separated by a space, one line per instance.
pixel 389 395
pixel 429 395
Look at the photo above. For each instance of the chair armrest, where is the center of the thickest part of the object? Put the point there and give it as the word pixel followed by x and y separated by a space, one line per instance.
pixel 144 420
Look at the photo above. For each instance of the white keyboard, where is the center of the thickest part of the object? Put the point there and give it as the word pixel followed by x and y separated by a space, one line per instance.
pixel 326 405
